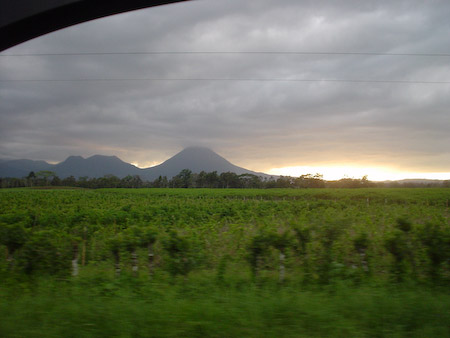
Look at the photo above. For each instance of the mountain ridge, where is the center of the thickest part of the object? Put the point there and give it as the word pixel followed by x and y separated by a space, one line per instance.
pixel 196 159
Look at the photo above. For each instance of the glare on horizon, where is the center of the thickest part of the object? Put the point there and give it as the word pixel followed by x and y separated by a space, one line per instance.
pixel 331 173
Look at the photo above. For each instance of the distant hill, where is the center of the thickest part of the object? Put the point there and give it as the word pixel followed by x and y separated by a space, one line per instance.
pixel 420 181
pixel 195 159
pixel 415 182
pixel 95 166
pixel 21 168
pixel 77 166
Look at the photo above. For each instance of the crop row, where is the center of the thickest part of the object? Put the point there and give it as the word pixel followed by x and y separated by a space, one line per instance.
pixel 314 236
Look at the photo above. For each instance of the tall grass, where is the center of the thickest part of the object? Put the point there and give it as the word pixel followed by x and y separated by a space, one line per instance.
pixel 326 291
pixel 100 306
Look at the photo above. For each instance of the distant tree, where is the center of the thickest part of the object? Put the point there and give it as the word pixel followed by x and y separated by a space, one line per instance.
pixel 131 181
pixel 164 182
pixel 201 181
pixel 56 181
pixel 212 180
pixel 364 182
pixel 229 180
pixel 45 175
pixel 31 178
pixel 12 182
pixel 309 181
pixel 284 182
pixel 137 182
pixel 250 181
pixel 83 182
pixel 69 181
pixel 157 182
pixel 185 178
pixel 108 181
pixel 351 183
pixel 126 182
pixel 175 182
pixel 160 182
pixel 270 183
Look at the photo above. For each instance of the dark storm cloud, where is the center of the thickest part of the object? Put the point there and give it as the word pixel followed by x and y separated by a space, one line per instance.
pixel 255 124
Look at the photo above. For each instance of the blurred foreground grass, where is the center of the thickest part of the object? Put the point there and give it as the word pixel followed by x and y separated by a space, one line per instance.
pixel 100 306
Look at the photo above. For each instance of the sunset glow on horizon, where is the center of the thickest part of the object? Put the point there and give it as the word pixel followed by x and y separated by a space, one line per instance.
pixel 331 173
pixel 337 172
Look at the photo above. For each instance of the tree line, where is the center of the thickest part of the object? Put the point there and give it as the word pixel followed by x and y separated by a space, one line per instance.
pixel 187 179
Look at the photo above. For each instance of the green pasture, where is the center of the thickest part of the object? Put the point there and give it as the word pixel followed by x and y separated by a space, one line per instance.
pixel 224 262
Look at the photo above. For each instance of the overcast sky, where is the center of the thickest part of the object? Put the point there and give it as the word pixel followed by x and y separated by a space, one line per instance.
pixel 259 125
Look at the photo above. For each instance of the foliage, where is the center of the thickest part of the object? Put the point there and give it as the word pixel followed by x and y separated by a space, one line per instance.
pixel 46 252
pixel 436 240
pixel 323 235
pixel 181 258
pixel 187 179
pixel 257 248
pixel 348 267
pixel 13 236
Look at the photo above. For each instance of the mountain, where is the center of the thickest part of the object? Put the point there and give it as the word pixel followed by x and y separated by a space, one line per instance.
pixel 21 168
pixel 95 166
pixel 196 159
pixel 415 182
pixel 419 181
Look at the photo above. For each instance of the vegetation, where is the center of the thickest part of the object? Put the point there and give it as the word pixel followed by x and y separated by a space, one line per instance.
pixel 203 262
pixel 187 179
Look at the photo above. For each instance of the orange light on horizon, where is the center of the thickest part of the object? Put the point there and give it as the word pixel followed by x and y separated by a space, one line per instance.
pixel 145 164
pixel 331 173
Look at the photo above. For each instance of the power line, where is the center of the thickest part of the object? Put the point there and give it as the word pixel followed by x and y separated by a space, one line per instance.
pixel 232 52
pixel 226 80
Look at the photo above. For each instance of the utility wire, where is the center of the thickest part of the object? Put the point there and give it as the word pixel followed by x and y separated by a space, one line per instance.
pixel 229 79
pixel 226 80
pixel 232 52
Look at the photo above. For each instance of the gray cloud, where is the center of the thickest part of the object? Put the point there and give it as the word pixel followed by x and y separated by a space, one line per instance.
pixel 260 125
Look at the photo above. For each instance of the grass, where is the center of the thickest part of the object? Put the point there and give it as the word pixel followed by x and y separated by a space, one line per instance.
pixel 221 300
pixel 100 306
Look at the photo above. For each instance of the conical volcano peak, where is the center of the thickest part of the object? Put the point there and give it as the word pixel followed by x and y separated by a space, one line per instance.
pixel 197 149
pixel 196 159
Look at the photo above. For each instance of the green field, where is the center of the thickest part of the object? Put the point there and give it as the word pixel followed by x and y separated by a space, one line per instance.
pixel 223 262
